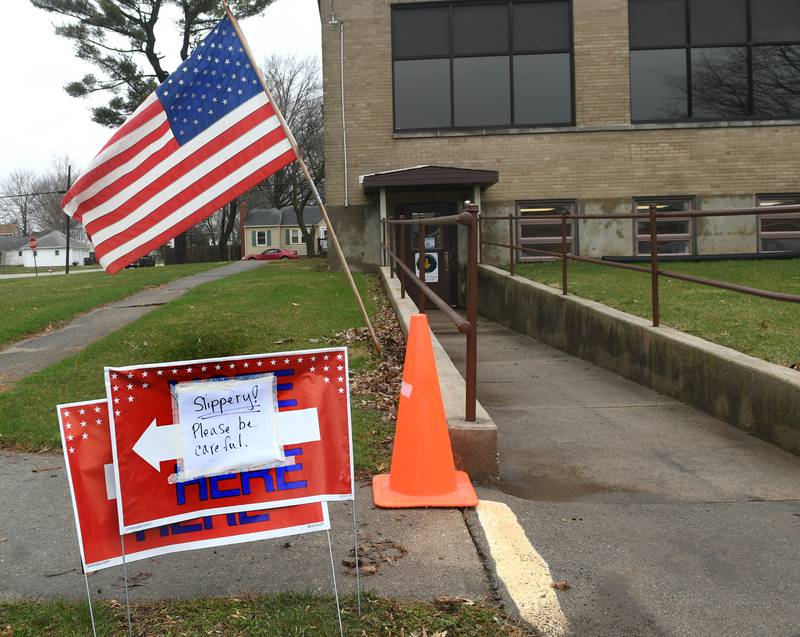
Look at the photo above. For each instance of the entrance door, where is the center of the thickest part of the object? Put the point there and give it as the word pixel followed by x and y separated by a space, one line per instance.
pixel 440 259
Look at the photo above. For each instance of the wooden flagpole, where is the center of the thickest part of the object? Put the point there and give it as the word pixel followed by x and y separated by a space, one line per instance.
pixel 331 233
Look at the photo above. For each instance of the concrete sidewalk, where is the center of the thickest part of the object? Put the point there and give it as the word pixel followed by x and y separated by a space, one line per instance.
pixel 39 552
pixel 32 354
pixel 664 520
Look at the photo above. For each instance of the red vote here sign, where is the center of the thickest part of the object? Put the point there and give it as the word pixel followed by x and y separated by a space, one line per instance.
pixel 311 392
pixel 86 439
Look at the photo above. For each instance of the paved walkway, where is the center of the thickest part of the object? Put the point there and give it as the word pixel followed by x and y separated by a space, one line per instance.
pixel 30 355
pixel 663 520
pixel 39 551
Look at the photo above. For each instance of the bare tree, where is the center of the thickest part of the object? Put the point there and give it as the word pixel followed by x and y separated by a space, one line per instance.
pixel 47 212
pixel 221 229
pixel 17 204
pixel 296 86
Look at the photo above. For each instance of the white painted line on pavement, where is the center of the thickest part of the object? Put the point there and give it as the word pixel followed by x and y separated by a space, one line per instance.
pixel 522 570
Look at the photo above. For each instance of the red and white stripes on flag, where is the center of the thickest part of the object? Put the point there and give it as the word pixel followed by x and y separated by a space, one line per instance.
pixel 205 136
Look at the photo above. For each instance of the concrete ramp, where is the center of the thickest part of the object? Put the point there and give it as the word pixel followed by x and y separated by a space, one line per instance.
pixel 568 430
pixel 661 520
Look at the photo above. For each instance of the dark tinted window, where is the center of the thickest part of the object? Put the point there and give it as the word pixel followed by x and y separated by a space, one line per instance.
pixel 452 64
pixel 480 29
pixel 542 89
pixel 481 91
pixel 719 83
pixel 420 32
pixel 658 85
pixel 787 223
pixel 541 26
pixel 776 81
pixel 718 21
pixel 657 23
pixel 422 93
pixel 744 57
pixel 775 20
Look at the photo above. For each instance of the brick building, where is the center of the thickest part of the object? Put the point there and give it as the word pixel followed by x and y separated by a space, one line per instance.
pixel 592 106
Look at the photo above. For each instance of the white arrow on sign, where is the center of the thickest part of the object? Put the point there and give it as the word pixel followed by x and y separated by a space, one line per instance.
pixel 160 443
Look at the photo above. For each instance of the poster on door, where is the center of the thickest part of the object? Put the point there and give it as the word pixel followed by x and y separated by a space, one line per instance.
pixel 430 262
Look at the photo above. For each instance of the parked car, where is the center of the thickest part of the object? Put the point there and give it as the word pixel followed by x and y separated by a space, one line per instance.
pixel 143 262
pixel 272 254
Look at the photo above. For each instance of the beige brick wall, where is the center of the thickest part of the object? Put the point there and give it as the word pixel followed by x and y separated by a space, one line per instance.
pixel 616 163
pixel 602 158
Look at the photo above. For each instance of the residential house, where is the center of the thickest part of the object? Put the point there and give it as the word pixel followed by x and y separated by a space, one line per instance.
pixel 8 229
pixel 264 228
pixel 531 107
pixel 11 249
pixel 50 252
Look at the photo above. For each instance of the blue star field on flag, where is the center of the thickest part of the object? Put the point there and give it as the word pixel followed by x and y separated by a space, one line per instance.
pixel 215 79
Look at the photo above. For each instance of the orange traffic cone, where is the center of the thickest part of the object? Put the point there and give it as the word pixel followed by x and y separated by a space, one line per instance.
pixel 423 473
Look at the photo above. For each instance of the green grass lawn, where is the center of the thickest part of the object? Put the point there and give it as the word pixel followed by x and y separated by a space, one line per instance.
pixel 288 614
pixel 759 327
pixel 21 269
pixel 33 304
pixel 283 306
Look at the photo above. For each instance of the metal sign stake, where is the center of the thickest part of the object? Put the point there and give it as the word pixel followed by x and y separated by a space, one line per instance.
pixel 335 587
pixel 355 547
pixel 89 598
pixel 125 576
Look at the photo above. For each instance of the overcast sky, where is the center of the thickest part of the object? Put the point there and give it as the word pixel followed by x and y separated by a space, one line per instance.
pixel 39 120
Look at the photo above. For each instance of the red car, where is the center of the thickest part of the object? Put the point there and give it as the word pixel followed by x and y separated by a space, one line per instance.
pixel 272 254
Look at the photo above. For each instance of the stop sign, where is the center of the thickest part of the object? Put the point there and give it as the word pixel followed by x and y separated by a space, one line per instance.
pixel 33 243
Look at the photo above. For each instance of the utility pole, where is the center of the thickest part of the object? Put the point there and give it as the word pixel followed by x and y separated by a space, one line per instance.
pixel 69 184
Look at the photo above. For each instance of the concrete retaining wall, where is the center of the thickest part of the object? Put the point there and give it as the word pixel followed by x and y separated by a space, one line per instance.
pixel 474 443
pixel 758 397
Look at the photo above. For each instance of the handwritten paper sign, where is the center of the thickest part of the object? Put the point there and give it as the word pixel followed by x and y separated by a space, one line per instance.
pixel 227 425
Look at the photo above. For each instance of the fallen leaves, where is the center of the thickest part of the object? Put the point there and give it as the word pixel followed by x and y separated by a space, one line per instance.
pixel 452 604
pixel 372 554
pixel 563 585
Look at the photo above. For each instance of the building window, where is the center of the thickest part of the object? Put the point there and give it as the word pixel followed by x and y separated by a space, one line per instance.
pixel 56 252
pixel 482 65
pixel 675 235
pixel 714 59
pixel 544 234
pixel 778 233
pixel 294 236
pixel 19 253
pixel 260 238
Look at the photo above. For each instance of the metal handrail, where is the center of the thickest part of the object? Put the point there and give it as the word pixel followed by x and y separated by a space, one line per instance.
pixel 462 325
pixel 653 216
pixel 468 327
pixel 721 212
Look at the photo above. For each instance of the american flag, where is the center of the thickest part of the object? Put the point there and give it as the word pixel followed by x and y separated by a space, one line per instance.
pixel 206 135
